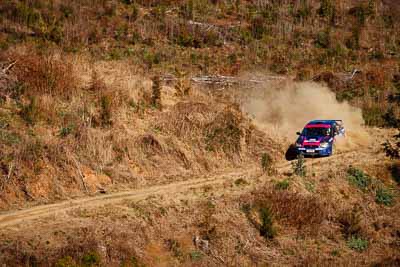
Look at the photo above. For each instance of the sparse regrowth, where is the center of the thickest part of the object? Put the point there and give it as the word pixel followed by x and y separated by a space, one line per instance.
pixel 357 243
pixel 358 178
pixel 384 196
pixel 266 163
pixel 299 167
pixel 267 228
pixel 282 185
pixel 156 92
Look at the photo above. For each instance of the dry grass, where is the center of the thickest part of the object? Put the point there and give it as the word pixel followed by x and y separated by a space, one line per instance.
pixel 113 127
pixel 295 209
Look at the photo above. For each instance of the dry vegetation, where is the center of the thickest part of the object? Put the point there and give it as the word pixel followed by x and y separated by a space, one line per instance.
pixel 335 223
pixel 67 129
pixel 321 39
pixel 84 109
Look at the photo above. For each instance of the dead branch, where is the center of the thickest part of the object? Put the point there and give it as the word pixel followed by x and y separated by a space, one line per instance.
pixel 6 69
pixel 80 173
pixel 224 80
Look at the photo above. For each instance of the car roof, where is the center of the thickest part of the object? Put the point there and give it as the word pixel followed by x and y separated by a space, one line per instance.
pixel 316 122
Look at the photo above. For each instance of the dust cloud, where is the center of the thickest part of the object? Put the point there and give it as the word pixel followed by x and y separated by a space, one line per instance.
pixel 283 109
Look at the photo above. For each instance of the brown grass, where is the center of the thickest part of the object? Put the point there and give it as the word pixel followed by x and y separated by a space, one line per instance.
pixel 295 209
pixel 46 74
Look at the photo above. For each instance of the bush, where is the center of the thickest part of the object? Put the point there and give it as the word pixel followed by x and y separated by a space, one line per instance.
pixel 267 228
pixel 45 75
pixel 266 162
pixel 350 223
pixel 393 150
pixel 361 13
pixel 357 244
pixel 156 92
pixel 67 261
pixel 373 116
pixel 106 110
pixel 358 178
pixel 353 42
pixel 196 255
pixel 292 208
pixel 224 133
pixel 257 27
pixel 30 112
pixel 241 181
pixel 182 86
pixel 91 259
pixel 322 40
pixel 299 167
pixel 304 11
pixel 327 9
pixel 282 185
pixel 384 196
pixel 67 130
pixel 390 119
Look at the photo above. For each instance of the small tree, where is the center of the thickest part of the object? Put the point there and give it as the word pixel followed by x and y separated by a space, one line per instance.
pixel 156 92
pixel 392 149
pixel 299 167
pixel 266 163
pixel 182 85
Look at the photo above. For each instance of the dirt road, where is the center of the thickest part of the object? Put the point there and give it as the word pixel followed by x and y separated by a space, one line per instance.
pixel 14 218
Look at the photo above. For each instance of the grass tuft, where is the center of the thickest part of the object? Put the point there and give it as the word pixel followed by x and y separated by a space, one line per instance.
pixel 357 243
pixel 384 196
pixel 358 178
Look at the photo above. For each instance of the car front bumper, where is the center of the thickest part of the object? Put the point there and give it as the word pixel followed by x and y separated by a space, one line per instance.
pixel 319 151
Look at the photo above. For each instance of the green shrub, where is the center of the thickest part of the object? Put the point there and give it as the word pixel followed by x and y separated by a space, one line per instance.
pixel 267 228
pixel 350 223
pixel 196 255
pixel 373 116
pixel 390 119
pixel 270 13
pixel 354 41
pixel 241 181
pixel 310 186
pixel 156 92
pixel 257 27
pixel 30 112
pixel 66 10
pixel 134 12
pixel 357 243
pixel 384 196
pixel 393 150
pixel 361 13
pixel 151 58
pixel 358 178
pixel 105 112
pixel 282 185
pixel 67 130
pixel 174 246
pixel 376 55
pixel 322 40
pixel 303 12
pixel 25 14
pixel 299 167
pixel 67 261
pixel 186 10
pixel 91 259
pixel 327 9
pixel 266 162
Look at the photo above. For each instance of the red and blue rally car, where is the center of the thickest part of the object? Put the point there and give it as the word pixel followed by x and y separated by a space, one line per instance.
pixel 318 137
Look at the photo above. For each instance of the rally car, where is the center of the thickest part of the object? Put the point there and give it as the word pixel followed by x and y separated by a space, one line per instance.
pixel 318 137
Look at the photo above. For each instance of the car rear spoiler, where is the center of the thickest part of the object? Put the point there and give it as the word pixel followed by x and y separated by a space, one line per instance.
pixel 340 128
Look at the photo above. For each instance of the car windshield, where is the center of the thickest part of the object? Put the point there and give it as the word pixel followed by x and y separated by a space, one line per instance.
pixel 315 132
